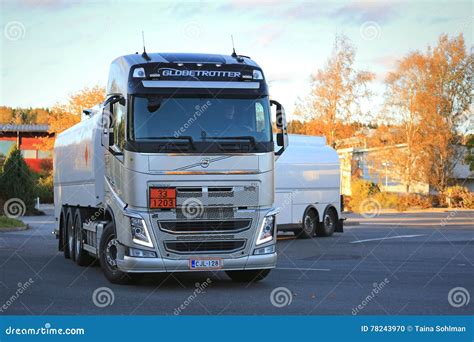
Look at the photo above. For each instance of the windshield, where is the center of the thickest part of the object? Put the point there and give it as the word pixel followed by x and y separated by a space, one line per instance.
pixel 197 120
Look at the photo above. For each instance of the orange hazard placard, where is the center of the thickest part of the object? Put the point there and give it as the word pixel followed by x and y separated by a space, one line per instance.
pixel 162 198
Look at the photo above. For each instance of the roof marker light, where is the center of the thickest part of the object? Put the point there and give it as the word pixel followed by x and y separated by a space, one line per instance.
pixel 257 75
pixel 139 73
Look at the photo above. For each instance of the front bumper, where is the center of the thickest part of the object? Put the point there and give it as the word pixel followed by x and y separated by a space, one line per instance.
pixel 151 265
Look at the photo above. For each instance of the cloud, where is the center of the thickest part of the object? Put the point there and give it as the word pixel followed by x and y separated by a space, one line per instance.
pixel 268 33
pixel 48 4
pixel 363 11
pixel 355 12
pixel 386 61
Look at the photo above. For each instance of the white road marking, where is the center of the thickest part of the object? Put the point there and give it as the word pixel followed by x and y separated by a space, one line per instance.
pixel 303 269
pixel 388 238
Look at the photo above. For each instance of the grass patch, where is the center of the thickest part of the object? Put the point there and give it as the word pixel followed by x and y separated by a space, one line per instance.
pixel 6 222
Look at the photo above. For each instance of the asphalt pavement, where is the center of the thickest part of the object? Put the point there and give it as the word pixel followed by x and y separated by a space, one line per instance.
pixel 391 264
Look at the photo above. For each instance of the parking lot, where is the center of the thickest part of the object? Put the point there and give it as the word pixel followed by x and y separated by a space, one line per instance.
pixel 393 264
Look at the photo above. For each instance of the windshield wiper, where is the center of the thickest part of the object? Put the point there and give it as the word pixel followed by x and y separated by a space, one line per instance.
pixel 249 138
pixel 171 138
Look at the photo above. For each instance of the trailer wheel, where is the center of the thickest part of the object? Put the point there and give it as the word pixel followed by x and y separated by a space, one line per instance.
pixel 108 257
pixel 82 256
pixel 328 226
pixel 70 234
pixel 310 222
pixel 251 276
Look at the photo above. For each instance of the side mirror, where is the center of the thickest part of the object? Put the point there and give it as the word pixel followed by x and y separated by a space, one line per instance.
pixel 111 137
pixel 114 98
pixel 105 125
pixel 282 135
pixel 280 140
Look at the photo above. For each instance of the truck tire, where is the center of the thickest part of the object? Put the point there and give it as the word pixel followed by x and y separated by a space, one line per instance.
pixel 70 234
pixel 63 246
pixel 251 276
pixel 82 256
pixel 328 226
pixel 309 225
pixel 108 255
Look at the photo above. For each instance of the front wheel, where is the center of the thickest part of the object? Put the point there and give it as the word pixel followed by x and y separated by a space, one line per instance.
pixel 250 276
pixel 108 257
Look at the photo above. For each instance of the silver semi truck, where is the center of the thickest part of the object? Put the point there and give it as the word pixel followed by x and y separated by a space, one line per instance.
pixel 174 171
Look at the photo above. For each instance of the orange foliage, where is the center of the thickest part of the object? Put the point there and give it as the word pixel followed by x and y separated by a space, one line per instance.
pixel 426 94
pixel 336 93
pixel 66 115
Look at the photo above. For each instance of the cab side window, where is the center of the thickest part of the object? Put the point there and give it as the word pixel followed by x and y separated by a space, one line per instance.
pixel 118 122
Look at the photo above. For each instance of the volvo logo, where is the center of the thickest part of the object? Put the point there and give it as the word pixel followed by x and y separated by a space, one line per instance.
pixel 205 162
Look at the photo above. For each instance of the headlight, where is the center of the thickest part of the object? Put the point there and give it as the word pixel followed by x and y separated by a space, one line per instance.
pixel 266 230
pixel 140 232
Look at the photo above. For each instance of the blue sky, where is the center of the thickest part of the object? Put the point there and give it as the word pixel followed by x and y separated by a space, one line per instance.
pixel 52 48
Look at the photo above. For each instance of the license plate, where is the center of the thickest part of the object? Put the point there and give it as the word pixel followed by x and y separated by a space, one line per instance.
pixel 162 198
pixel 205 264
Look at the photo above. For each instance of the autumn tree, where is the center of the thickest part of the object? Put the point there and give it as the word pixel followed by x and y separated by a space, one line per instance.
pixel 68 114
pixel 6 116
pixel 426 94
pixel 469 158
pixel 337 91
pixel 404 91
pixel 450 85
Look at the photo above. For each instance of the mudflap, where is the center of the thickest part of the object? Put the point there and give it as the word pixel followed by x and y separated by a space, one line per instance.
pixel 340 226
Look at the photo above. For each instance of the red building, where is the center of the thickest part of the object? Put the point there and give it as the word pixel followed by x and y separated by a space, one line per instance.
pixel 26 137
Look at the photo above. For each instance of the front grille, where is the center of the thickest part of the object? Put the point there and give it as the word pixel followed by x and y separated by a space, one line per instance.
pixel 189 192
pixel 205 246
pixel 218 196
pixel 205 226
pixel 220 192
pixel 221 213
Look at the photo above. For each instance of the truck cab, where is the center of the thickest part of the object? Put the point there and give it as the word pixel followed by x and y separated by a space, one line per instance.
pixel 180 174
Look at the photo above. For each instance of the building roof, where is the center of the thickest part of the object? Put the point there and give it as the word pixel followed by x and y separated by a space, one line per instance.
pixel 23 128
